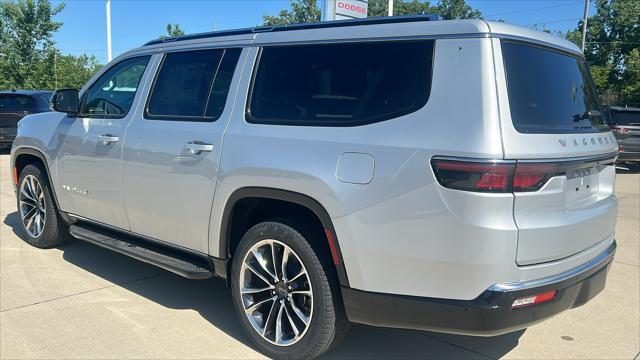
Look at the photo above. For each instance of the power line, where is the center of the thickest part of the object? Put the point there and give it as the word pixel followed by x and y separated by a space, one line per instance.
pixel 534 9
pixel 554 21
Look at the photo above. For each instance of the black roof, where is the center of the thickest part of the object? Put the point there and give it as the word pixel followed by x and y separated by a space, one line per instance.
pixel 303 26
pixel 25 92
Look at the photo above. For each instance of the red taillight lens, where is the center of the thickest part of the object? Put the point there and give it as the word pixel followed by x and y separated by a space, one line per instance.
pixel 493 176
pixel 620 148
pixel 474 176
pixel 620 130
pixel 534 299
pixel 531 176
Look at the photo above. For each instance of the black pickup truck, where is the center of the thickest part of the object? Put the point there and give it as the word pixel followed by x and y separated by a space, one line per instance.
pixel 16 104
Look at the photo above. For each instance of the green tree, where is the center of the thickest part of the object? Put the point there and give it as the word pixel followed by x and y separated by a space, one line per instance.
pixel 613 33
pixel 308 11
pixel 457 9
pixel 74 71
pixel 173 30
pixel 27 45
pixel 301 11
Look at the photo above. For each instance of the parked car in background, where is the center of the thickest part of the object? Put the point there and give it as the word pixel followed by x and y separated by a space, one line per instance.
pixel 16 104
pixel 454 176
pixel 625 124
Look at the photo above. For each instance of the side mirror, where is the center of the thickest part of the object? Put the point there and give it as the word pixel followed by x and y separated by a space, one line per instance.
pixel 66 101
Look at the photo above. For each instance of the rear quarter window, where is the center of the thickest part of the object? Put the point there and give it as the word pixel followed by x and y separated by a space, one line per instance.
pixel 340 84
pixel 549 91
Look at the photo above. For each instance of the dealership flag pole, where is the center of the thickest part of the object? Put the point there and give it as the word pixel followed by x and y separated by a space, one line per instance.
pixel 108 30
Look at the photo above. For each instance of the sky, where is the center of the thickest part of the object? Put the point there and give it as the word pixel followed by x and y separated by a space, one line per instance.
pixel 134 22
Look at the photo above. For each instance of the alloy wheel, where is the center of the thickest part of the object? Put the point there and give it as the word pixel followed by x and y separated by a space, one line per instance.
pixel 276 292
pixel 33 208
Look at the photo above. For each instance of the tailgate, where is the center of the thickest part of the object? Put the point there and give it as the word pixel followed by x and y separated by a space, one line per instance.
pixel 573 211
pixel 551 122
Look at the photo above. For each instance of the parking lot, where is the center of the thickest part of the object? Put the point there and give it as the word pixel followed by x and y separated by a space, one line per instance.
pixel 81 301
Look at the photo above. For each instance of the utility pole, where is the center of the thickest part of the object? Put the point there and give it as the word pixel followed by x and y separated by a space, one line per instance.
pixel 108 30
pixel 390 8
pixel 584 23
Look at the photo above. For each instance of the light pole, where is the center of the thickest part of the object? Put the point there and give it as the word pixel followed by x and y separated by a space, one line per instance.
pixel 584 23
pixel 108 30
pixel 390 13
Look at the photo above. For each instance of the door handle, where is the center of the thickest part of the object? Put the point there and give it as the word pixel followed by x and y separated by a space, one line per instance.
pixel 196 147
pixel 108 139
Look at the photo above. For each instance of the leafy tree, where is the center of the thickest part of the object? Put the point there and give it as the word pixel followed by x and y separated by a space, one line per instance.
pixel 613 39
pixel 301 11
pixel 457 9
pixel 308 11
pixel 400 7
pixel 173 30
pixel 74 71
pixel 27 29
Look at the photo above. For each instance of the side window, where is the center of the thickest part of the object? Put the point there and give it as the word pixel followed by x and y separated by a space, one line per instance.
pixel 340 84
pixel 192 85
pixel 113 93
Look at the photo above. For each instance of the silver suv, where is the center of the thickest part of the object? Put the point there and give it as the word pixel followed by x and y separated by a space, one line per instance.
pixel 453 176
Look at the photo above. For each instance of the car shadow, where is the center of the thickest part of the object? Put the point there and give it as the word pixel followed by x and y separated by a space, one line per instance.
pixel 212 300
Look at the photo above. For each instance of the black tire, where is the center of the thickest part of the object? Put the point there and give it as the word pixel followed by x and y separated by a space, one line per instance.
pixel 329 323
pixel 55 231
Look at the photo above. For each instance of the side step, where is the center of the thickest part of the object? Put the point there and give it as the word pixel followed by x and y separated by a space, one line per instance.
pixel 182 262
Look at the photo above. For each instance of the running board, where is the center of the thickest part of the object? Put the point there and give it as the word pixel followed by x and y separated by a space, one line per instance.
pixel 182 262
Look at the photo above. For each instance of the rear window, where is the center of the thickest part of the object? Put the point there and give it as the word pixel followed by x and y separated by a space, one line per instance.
pixel 16 102
pixel 627 118
pixel 340 84
pixel 550 92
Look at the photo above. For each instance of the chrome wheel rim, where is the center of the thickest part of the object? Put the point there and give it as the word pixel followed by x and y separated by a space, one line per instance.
pixel 33 208
pixel 276 293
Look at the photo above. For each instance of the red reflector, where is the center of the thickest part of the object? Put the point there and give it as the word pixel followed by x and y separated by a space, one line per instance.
pixel 332 246
pixel 621 148
pixel 534 299
pixel 15 175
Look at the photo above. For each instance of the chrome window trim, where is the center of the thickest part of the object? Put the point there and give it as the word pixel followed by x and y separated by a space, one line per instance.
pixel 603 257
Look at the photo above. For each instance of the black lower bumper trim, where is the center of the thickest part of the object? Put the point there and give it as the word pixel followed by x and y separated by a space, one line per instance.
pixel 488 315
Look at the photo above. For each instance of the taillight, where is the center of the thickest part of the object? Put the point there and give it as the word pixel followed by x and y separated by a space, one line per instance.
pixel 493 176
pixel 474 176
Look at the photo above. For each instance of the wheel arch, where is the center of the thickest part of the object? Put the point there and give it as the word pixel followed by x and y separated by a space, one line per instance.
pixel 295 199
pixel 24 156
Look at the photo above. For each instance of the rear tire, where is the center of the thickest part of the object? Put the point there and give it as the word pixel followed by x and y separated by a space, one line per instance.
pixel 39 217
pixel 305 288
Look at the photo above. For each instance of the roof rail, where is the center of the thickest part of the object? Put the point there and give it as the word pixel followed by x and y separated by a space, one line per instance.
pixel 303 26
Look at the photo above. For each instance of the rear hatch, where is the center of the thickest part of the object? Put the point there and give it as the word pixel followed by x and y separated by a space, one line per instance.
pixel 14 107
pixel 626 123
pixel 552 126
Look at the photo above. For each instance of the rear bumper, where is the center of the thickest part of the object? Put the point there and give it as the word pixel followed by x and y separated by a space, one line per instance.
pixel 489 314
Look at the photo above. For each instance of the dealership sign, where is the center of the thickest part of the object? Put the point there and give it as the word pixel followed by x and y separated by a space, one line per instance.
pixel 344 9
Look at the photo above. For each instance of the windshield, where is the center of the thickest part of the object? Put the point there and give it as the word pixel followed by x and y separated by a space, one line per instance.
pixel 16 103
pixel 550 92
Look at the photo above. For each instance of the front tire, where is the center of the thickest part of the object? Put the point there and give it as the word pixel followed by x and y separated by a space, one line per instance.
pixel 38 215
pixel 285 293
